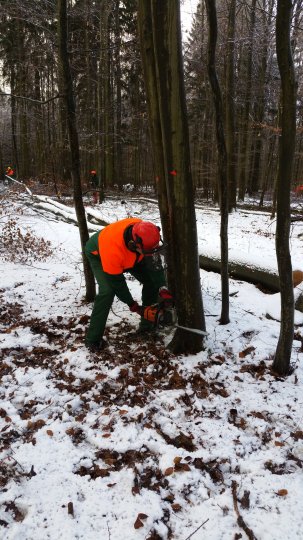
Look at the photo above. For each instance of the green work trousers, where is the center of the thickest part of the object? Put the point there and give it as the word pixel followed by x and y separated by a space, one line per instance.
pixel 151 278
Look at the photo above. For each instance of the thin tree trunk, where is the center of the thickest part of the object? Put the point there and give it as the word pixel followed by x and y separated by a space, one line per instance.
pixel 222 156
pixel 230 108
pixel 281 362
pixel 74 143
pixel 13 122
pixel 247 106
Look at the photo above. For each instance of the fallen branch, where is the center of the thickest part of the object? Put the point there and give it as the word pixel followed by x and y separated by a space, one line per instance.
pixel 192 534
pixel 25 98
pixel 70 509
pixel 240 519
pixel 19 183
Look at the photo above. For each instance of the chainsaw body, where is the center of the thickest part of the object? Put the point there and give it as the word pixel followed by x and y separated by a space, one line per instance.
pixel 164 314
pixel 161 315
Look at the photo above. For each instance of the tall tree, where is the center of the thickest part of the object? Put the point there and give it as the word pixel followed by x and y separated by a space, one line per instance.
pixel 230 107
pixel 64 66
pixel 222 156
pixel 177 179
pixel 152 96
pixel 247 74
pixel 281 362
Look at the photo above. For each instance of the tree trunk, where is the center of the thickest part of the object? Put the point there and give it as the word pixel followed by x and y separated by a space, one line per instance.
pixel 230 108
pixel 13 122
pixel 243 174
pixel 74 143
pixel 107 124
pixel 118 87
pixel 222 157
pixel 149 70
pixel 281 362
pixel 177 180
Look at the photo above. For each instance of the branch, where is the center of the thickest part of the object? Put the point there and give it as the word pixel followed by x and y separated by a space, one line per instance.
pixel 240 519
pixel 20 184
pixel 31 99
pixel 192 534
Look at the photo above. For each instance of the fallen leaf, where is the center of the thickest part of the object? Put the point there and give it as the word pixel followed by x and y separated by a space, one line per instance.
pixel 282 492
pixel 176 507
pixel 169 471
pixel 50 432
pixel 258 414
pixel 297 435
pixel 100 377
pixel 138 523
pixel 279 443
pixel 245 352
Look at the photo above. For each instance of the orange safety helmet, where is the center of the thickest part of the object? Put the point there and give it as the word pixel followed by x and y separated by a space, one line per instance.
pixel 92 172
pixel 147 235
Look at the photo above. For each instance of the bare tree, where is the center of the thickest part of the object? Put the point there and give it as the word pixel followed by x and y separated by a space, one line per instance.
pixel 222 156
pixel 74 143
pixel 281 362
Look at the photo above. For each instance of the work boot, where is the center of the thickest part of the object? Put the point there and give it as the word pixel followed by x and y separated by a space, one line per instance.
pixel 96 347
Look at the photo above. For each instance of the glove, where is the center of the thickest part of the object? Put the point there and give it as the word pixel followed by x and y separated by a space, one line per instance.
pixel 135 308
pixel 165 294
pixel 166 298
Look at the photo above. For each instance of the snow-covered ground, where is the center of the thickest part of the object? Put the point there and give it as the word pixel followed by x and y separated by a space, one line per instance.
pixel 136 443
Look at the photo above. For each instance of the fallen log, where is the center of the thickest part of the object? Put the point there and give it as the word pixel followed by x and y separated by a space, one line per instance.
pixel 240 271
pixel 251 274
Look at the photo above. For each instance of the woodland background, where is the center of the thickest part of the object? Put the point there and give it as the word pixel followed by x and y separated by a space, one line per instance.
pixel 112 121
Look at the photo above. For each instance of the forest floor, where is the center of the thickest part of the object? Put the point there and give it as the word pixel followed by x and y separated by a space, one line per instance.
pixel 136 443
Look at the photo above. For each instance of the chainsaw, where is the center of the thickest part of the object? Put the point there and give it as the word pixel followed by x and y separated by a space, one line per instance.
pixel 164 315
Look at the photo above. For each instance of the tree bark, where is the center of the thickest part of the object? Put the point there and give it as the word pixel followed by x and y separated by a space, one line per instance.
pixel 74 143
pixel 281 362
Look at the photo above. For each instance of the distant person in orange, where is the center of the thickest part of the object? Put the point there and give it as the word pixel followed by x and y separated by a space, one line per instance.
pixel 298 189
pixel 9 171
pixel 94 184
pixel 9 175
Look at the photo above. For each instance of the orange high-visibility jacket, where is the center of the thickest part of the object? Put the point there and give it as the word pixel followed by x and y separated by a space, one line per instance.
pixel 114 255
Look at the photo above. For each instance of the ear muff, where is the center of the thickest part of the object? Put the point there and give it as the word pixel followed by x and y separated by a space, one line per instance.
pixel 138 240
pixel 132 245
